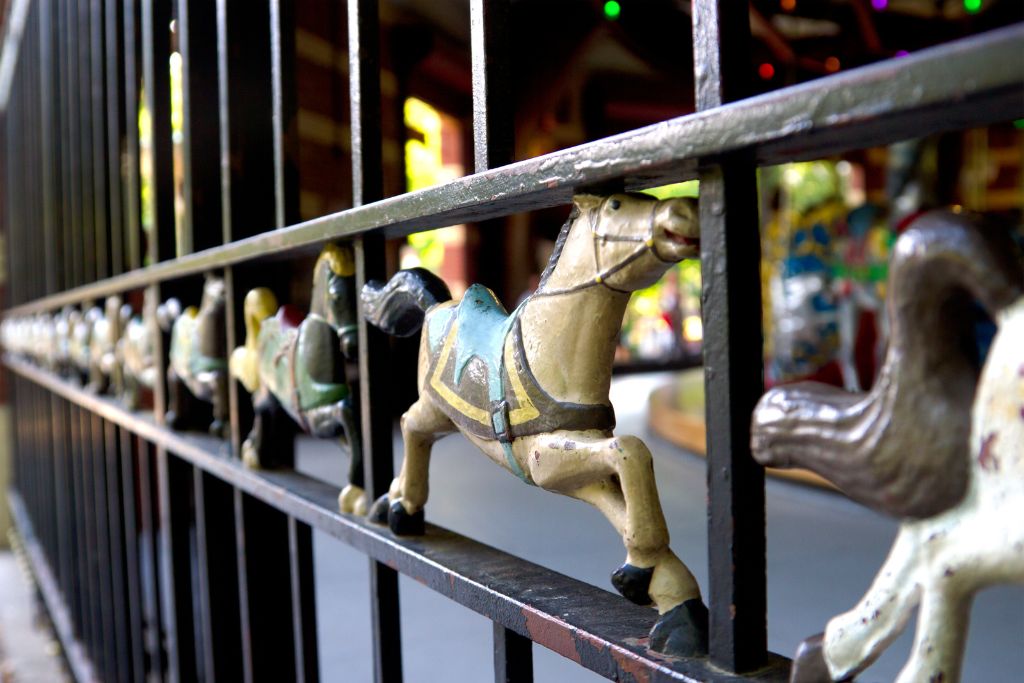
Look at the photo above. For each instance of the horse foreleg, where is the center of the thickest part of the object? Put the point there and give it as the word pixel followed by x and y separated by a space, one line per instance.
pixel 352 498
pixel 853 640
pixel 402 507
pixel 219 426
pixel 939 641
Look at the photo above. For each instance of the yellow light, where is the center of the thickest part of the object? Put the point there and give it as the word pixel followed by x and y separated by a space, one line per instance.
pixel 693 328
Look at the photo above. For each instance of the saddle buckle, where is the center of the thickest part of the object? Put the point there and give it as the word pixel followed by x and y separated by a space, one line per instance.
pixel 500 421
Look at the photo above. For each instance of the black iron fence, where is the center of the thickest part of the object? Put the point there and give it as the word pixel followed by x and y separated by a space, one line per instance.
pixel 157 554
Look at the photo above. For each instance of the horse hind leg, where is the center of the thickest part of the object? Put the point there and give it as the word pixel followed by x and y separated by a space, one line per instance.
pixel 219 425
pixel 402 506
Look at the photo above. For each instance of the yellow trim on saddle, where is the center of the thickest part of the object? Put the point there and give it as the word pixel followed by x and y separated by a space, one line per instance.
pixel 453 399
pixel 524 413
pixel 526 410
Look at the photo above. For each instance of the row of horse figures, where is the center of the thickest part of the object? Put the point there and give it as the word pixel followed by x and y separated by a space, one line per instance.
pixel 938 442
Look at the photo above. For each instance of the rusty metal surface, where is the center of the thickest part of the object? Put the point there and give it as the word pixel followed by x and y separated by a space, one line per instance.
pixel 965 83
pixel 591 626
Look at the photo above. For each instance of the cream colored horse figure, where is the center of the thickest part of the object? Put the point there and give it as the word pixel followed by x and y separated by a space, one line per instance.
pixel 933 443
pixel 530 389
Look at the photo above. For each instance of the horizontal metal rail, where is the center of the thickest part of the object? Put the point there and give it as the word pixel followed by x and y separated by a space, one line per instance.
pixel 972 82
pixel 606 633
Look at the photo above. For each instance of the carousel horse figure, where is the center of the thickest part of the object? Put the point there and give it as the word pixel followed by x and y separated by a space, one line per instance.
pixel 937 442
pixel 530 389
pixel 137 353
pixel 198 360
pixel 63 326
pixel 107 328
pixel 82 323
pixel 295 366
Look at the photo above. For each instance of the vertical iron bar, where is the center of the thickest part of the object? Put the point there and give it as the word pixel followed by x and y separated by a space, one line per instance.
pixel 99 171
pixel 733 362
pixel 513 656
pixel 300 552
pixel 156 51
pixel 197 44
pixel 132 181
pixel 215 530
pixel 115 531
pixel 269 607
pixel 114 113
pixel 85 121
pixel 493 104
pixel 98 466
pixel 174 480
pixel 46 101
pixel 147 563
pixel 131 499
pixel 374 365
pixel 243 587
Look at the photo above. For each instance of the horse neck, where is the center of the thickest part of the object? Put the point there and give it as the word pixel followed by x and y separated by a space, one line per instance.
pixel 570 341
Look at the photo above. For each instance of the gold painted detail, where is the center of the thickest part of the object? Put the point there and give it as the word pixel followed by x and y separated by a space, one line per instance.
pixel 524 413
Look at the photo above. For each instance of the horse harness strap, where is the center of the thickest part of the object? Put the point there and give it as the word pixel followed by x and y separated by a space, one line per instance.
pixel 601 278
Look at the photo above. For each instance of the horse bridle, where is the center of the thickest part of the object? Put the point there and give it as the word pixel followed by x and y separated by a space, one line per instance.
pixel 598 238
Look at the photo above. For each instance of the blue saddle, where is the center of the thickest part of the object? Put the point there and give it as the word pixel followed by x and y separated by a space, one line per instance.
pixel 483 325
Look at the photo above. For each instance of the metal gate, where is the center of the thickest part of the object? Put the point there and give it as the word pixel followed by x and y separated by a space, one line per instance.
pixel 157 554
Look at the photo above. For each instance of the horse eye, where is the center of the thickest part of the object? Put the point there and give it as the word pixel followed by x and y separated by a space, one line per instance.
pixel 615 204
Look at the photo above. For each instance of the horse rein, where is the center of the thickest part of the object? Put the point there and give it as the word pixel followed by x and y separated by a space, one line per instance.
pixel 598 238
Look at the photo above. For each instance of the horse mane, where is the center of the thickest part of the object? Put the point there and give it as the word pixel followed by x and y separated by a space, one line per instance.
pixel 563 235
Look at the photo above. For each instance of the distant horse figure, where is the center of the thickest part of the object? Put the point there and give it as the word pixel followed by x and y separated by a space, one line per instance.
pixel 107 328
pixel 136 352
pixel 198 360
pixel 530 389
pixel 299 365
pixel 932 443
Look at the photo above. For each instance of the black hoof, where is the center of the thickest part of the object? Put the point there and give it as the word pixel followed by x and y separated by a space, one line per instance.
pixel 404 524
pixel 633 583
pixel 219 429
pixel 682 631
pixel 378 513
pixel 809 662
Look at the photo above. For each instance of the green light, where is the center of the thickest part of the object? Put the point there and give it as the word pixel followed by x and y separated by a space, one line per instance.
pixel 612 9
pixel 1019 124
pixel 972 6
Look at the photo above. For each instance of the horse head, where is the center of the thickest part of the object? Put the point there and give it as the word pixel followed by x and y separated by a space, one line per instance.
pixel 624 241
pixel 260 304
pixel 334 295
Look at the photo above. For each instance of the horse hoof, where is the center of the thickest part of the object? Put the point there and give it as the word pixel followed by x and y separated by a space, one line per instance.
pixel 352 501
pixel 379 510
pixel 682 631
pixel 404 524
pixel 809 662
pixel 249 456
pixel 218 428
pixel 633 583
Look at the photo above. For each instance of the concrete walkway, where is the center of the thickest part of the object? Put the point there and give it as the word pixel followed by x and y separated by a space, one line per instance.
pixel 28 651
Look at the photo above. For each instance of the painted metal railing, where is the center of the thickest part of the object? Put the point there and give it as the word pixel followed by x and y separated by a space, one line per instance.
pixel 145 541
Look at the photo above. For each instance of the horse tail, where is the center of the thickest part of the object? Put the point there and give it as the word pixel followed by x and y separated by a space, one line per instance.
pixel 399 306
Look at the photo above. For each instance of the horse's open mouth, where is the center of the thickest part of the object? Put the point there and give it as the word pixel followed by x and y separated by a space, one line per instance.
pixel 682 239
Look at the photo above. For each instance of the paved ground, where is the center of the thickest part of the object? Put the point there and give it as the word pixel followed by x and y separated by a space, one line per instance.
pixel 823 552
pixel 28 653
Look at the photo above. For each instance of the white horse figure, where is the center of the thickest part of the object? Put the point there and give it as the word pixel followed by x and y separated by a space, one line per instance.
pixel 530 389
pixel 933 443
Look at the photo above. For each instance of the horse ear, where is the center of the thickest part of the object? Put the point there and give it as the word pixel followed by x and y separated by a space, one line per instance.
pixel 585 202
